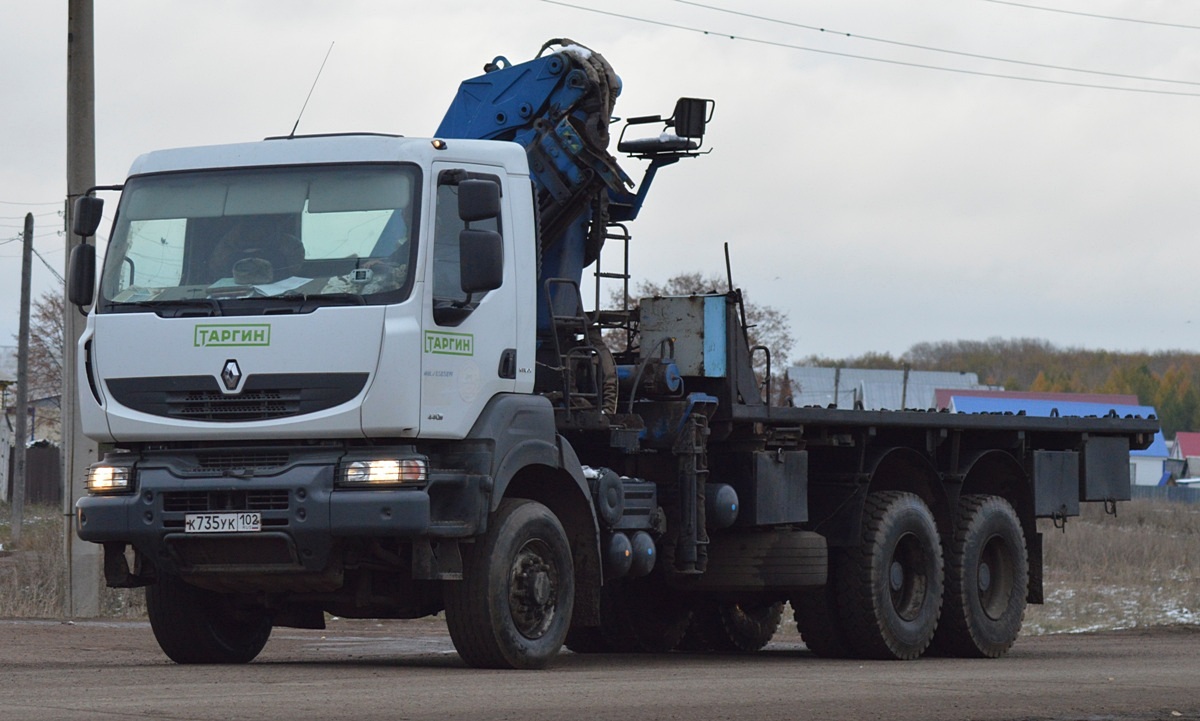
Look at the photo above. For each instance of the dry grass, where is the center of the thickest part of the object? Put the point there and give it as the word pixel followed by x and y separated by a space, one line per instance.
pixel 33 576
pixel 1140 568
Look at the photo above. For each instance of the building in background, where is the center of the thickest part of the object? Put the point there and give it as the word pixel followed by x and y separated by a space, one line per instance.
pixel 874 390
pixel 45 412
pixel 1185 451
pixel 943 396
pixel 8 376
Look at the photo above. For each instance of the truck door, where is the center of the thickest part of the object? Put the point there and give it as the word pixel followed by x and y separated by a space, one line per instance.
pixel 469 339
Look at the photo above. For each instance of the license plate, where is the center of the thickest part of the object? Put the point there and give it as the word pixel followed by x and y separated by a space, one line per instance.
pixel 222 522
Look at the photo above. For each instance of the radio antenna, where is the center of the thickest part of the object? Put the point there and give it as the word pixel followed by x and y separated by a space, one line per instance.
pixel 728 268
pixel 737 294
pixel 310 91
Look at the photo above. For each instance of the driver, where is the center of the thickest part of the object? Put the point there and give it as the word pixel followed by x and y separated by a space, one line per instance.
pixel 256 249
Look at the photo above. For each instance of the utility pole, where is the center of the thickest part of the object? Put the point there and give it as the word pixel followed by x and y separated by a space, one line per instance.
pixel 83 559
pixel 20 444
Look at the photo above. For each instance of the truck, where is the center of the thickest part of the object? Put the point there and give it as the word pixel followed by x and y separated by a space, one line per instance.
pixel 354 375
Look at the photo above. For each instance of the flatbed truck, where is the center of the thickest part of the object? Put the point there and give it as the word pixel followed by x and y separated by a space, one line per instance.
pixel 354 375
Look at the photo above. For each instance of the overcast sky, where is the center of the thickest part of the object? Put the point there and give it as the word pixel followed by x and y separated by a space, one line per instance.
pixel 878 204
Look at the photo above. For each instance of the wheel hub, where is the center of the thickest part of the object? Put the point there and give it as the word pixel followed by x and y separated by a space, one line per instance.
pixel 996 580
pixel 540 587
pixel 985 577
pixel 533 591
pixel 906 578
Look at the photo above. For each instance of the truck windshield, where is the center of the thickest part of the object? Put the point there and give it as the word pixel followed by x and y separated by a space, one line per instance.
pixel 259 236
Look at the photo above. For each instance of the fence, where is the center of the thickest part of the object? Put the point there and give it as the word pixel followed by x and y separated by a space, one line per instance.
pixel 43 475
pixel 1176 494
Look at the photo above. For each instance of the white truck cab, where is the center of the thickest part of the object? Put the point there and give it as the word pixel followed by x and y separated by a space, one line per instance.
pixel 307 287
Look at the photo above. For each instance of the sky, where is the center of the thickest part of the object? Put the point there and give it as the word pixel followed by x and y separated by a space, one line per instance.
pixel 878 201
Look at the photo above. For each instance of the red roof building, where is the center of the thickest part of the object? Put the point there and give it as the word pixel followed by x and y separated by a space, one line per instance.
pixel 1187 444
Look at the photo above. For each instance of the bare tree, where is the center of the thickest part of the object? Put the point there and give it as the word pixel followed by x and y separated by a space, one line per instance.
pixel 46 361
pixel 46 345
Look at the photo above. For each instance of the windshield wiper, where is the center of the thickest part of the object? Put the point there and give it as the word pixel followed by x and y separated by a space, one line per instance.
pixel 331 298
pixel 212 305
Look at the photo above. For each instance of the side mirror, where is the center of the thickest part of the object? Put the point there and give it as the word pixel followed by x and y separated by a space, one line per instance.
pixel 478 200
pixel 81 284
pixel 87 213
pixel 691 116
pixel 481 259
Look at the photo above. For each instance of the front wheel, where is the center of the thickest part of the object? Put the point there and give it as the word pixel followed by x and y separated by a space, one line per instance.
pixel 987 580
pixel 513 607
pixel 891 593
pixel 193 625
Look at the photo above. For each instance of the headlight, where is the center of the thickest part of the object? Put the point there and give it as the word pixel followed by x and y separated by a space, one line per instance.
pixel 109 479
pixel 383 472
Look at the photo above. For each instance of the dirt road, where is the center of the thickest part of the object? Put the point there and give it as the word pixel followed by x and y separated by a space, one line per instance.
pixel 408 670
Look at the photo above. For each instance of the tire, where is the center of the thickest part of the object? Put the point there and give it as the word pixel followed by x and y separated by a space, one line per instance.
pixel 588 639
pixel 513 607
pixel 891 592
pixel 987 580
pixel 733 627
pixel 193 625
pixel 698 638
pixel 817 616
pixel 616 628
pixel 642 615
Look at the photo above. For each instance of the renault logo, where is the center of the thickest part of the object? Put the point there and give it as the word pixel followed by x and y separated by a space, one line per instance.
pixel 231 375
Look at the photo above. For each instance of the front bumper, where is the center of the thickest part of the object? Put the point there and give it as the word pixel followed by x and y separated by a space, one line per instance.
pixel 304 518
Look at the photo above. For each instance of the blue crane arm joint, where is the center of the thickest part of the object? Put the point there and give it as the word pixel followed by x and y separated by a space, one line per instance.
pixel 557 106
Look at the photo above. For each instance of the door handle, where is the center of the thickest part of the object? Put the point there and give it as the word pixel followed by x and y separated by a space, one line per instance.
pixel 508 364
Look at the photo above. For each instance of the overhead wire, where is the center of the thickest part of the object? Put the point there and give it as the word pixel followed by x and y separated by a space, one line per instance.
pixel 929 48
pixel 14 202
pixel 1094 15
pixel 888 61
pixel 47 214
pixel 53 271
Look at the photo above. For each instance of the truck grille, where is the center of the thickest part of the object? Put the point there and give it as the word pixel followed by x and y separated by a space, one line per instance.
pixel 204 501
pixel 208 462
pixel 263 397
pixel 216 406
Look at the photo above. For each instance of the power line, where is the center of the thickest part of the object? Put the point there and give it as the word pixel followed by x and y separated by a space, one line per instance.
pixel 934 49
pixel 12 225
pixel 14 202
pixel 1094 15
pixel 53 271
pixel 36 236
pixel 47 214
pixel 888 61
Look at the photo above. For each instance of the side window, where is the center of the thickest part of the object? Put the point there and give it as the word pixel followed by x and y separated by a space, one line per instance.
pixel 451 304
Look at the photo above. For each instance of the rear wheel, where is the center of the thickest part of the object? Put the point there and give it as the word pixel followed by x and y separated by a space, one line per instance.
pixel 891 593
pixel 817 615
pixel 987 580
pixel 193 625
pixel 513 607
pixel 643 615
pixel 725 627
pixel 587 639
